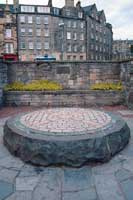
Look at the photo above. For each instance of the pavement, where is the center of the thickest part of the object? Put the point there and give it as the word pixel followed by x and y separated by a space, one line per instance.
pixel 109 181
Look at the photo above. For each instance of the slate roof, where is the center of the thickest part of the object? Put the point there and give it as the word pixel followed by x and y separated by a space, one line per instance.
pixel 87 9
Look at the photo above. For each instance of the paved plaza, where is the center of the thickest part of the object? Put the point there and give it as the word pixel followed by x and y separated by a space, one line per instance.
pixel 110 181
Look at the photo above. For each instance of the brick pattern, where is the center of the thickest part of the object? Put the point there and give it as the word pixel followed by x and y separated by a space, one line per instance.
pixel 66 120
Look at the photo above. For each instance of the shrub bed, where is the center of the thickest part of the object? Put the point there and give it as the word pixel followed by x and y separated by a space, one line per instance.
pixel 39 85
pixel 107 86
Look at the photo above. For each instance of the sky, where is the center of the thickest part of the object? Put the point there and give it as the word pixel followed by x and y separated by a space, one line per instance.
pixel 118 12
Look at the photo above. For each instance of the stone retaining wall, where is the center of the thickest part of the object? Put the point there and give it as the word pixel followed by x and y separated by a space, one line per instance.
pixel 65 98
pixel 130 96
pixel 72 75
pixel 3 80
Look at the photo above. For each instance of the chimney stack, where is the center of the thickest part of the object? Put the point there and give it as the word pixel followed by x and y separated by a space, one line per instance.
pixel 69 3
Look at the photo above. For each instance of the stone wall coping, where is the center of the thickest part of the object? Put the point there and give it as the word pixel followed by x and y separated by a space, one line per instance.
pixel 61 62
pixel 64 92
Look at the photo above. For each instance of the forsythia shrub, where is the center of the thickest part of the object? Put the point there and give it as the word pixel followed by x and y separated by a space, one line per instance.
pixel 107 86
pixel 39 85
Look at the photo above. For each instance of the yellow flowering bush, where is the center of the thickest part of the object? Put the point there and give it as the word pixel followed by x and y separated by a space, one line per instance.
pixel 107 86
pixel 39 85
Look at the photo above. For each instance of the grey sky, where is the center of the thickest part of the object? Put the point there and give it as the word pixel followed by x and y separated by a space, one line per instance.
pixel 118 12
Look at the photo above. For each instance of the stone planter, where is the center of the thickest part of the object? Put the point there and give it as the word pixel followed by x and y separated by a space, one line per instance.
pixel 65 98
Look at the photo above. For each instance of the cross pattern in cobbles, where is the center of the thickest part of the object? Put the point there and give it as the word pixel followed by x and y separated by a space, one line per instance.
pixel 108 181
pixel 66 120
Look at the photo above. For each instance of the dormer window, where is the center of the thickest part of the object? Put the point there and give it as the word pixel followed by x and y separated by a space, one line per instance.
pixel 56 11
pixel 42 9
pixel 80 15
pixel 27 9
pixel 68 12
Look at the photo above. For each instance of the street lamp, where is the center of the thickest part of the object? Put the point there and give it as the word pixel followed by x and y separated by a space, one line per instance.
pixel 62 45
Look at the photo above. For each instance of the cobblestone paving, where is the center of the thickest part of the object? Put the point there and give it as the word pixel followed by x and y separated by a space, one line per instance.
pixel 66 120
pixel 110 181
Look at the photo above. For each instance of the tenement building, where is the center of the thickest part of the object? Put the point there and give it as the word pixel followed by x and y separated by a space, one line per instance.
pixel 8 33
pixel 122 49
pixel 68 33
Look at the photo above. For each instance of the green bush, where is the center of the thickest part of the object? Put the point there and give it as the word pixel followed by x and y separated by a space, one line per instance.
pixel 39 85
pixel 107 86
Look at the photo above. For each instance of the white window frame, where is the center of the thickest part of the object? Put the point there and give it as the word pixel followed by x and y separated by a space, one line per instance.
pixel 38 45
pixel 9 48
pixel 75 36
pixel 68 35
pixel 22 30
pixel 82 48
pixel 69 48
pixel 80 15
pixel 38 20
pixel 30 19
pixel 82 25
pixel 75 48
pixel 21 45
pixel 38 32
pixel 46 45
pixel 30 32
pixel 22 19
pixel 82 36
pixel 31 45
pixel 46 32
pixel 74 24
pixel 8 33
pixel 69 24
pixel 46 20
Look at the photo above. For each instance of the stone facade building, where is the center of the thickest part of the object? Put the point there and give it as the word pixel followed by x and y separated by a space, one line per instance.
pixel 99 34
pixel 68 33
pixel 8 33
pixel 122 49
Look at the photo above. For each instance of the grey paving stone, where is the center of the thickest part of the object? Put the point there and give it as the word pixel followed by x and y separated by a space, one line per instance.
pixel 77 179
pixel 123 174
pixel 127 187
pixel 49 187
pixel 26 183
pixel 5 189
pixel 3 120
pixel 11 162
pixel 107 188
pixel 89 194
pixel 3 151
pixel 25 195
pixel 29 170
pixel 128 150
pixel 107 168
pixel 1 131
pixel 128 163
pixel 8 175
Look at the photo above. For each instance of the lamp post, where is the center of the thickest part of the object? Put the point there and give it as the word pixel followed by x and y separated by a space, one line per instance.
pixel 62 44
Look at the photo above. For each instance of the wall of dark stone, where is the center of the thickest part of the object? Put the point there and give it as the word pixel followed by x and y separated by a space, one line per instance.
pixel 84 98
pixel 72 75
pixel 3 80
pixel 79 75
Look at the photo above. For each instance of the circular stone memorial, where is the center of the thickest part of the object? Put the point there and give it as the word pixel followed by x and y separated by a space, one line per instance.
pixel 66 136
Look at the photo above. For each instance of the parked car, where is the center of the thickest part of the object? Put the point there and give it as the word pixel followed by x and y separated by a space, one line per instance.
pixel 45 58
